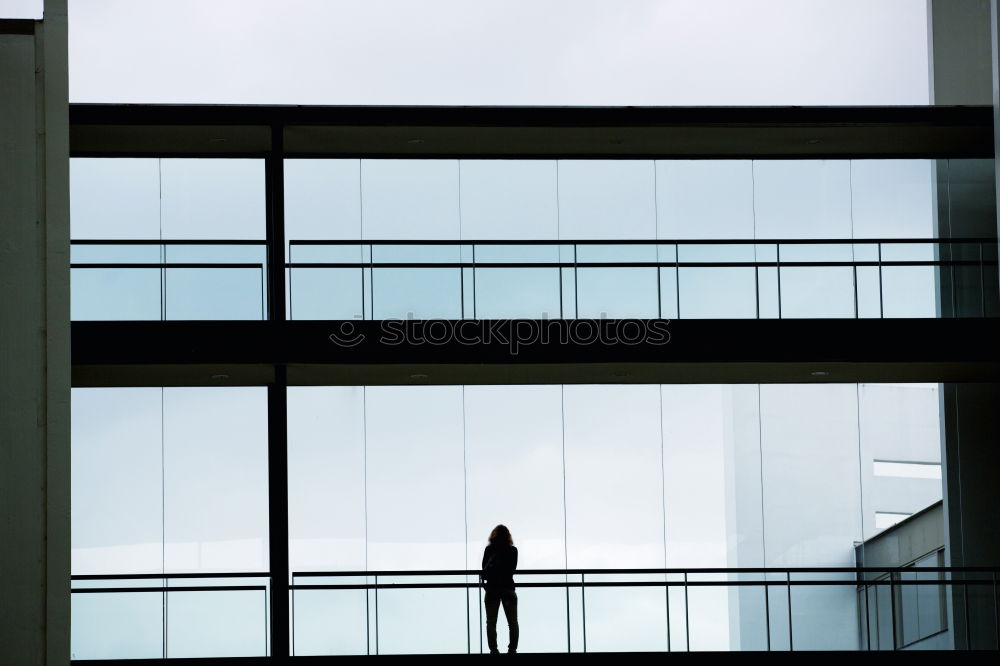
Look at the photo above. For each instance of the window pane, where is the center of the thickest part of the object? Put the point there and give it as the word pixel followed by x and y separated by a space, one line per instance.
pixel 509 199
pixel 606 199
pixel 215 478
pixel 117 496
pixel 212 198
pixel 802 198
pixel 704 199
pixel 415 478
pixel 812 504
pixel 114 198
pixel 326 489
pixel 409 199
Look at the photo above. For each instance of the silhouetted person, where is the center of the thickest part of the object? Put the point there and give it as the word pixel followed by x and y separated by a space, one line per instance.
pixel 499 563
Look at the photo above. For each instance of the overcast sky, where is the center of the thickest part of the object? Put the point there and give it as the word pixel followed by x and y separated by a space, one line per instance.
pixel 560 52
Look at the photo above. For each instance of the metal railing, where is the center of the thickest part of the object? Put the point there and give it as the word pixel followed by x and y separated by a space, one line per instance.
pixel 775 609
pixel 775 618
pixel 168 279
pixel 125 597
pixel 585 279
pixel 665 279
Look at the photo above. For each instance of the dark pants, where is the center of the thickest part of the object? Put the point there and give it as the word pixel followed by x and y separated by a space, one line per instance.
pixel 492 601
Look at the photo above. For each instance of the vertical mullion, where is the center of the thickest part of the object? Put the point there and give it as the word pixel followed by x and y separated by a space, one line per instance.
pixel 277 500
pixel 274 198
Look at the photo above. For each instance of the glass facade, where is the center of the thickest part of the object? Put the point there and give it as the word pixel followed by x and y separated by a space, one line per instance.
pixel 413 478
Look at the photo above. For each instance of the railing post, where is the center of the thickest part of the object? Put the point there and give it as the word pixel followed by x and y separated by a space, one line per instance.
pixel 767 610
pixel 892 602
pixel 788 575
pixel 583 609
pixel 687 618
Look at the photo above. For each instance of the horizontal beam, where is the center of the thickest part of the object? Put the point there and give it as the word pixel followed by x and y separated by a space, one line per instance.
pixel 533 132
pixel 535 352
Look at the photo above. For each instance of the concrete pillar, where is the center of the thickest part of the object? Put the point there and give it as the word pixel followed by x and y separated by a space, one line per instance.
pixel 34 341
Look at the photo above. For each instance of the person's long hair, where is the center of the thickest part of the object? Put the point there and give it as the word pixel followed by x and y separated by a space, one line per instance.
pixel 500 536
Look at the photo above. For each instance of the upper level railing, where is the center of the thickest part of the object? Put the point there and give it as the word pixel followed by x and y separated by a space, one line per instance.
pixel 585 279
pixel 559 610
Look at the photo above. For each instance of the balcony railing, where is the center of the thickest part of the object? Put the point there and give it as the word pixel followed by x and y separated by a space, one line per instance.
pixel 168 279
pixel 655 279
pixel 560 610
pixel 156 616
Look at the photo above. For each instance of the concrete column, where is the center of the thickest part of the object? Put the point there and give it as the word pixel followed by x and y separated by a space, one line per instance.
pixel 34 341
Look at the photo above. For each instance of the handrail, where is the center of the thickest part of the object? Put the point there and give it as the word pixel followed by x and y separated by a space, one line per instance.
pixel 647 241
pixel 675 570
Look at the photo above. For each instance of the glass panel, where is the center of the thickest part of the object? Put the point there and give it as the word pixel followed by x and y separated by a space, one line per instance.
pixel 116 453
pixel 325 293
pixel 230 623
pixel 123 625
pixel 333 254
pixel 415 482
pixel 716 253
pixel 701 199
pixel 909 291
pixel 509 199
pixel 668 292
pixel 437 254
pixel 626 619
pixel 615 293
pixel 218 254
pixel 517 293
pixel 699 443
pixel 614 504
pixel 114 198
pixel 898 422
pixel 215 479
pixel 322 200
pixel 810 469
pixel 214 293
pixel 606 199
pixel 621 253
pixel 212 198
pixel 909 251
pixel 517 254
pixel 815 293
pixel 330 622
pixel 423 621
pixel 767 293
pixel 802 198
pixel 117 254
pixel 717 293
pixel 892 198
pixel 515 432
pixel 816 252
pixel 326 493
pixel 115 294
pixel 417 293
pixel 409 199
pixel 869 291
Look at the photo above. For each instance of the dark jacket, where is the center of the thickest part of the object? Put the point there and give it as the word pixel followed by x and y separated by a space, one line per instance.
pixel 504 563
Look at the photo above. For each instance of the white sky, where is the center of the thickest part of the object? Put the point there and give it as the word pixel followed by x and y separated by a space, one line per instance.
pixel 509 52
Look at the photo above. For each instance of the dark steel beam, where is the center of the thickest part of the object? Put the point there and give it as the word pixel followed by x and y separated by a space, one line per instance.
pixel 533 132
pixel 514 352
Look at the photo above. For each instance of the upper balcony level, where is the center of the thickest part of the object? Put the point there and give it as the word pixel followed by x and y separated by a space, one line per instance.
pixel 843 217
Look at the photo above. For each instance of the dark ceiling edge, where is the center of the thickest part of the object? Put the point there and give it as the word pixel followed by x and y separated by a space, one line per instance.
pixel 528 116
